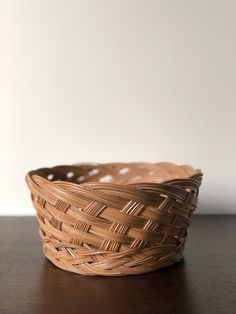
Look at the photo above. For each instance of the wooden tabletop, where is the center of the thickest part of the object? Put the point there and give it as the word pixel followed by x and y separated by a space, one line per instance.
pixel 204 282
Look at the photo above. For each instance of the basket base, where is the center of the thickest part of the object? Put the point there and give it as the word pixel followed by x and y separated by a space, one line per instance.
pixel 91 270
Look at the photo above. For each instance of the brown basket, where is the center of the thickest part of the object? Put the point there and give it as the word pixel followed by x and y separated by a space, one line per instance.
pixel 114 219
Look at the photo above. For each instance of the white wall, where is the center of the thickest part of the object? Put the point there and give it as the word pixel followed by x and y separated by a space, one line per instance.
pixel 118 81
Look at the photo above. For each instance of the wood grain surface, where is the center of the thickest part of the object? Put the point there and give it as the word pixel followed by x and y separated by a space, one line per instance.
pixel 204 282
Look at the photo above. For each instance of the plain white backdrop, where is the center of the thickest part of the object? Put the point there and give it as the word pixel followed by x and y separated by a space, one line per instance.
pixel 118 80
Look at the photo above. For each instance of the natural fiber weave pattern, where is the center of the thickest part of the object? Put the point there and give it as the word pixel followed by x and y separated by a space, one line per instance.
pixel 114 219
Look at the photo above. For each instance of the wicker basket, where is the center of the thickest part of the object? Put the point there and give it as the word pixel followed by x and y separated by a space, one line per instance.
pixel 114 219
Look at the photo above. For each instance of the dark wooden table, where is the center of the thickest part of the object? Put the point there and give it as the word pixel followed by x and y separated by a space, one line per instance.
pixel 204 282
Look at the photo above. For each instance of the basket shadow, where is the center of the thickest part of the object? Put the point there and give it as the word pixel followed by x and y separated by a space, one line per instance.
pixel 164 291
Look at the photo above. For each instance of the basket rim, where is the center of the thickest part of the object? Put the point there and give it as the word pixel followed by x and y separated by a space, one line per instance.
pixel 36 172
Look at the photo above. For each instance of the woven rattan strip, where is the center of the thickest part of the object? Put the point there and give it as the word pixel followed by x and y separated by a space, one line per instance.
pixel 114 219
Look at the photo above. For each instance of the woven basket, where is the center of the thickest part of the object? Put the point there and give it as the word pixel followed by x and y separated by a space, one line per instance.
pixel 114 219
